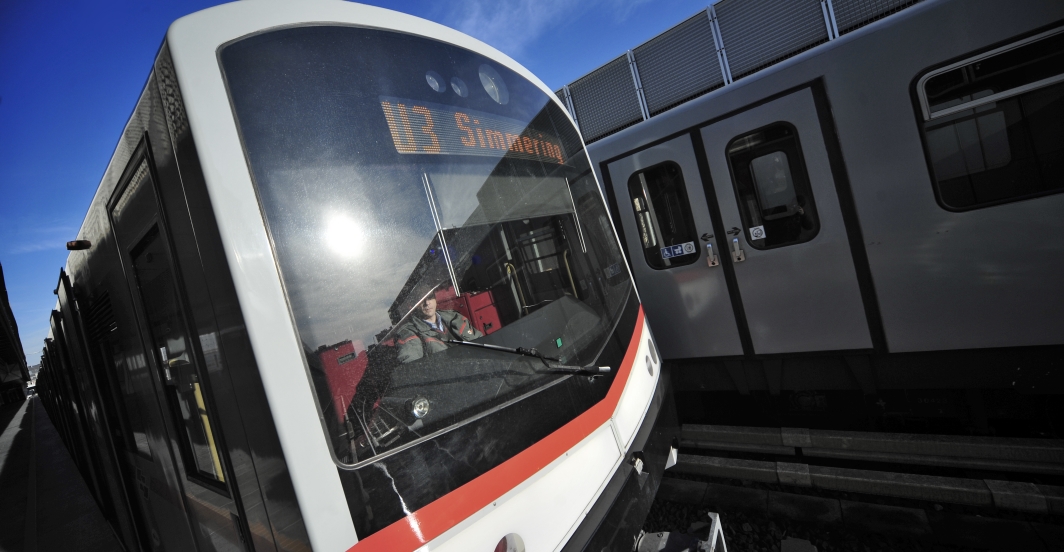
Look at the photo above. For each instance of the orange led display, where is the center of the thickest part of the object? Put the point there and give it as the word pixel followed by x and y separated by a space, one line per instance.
pixel 437 130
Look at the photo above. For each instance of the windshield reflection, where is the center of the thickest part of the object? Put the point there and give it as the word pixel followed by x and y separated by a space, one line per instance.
pixel 406 216
pixel 509 266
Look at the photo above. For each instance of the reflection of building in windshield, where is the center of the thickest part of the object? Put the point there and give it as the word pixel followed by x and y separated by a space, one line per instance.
pixel 504 271
pixel 510 249
pixel 344 364
pixel 487 204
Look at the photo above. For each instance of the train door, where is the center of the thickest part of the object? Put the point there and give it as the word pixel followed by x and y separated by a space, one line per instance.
pixel 193 455
pixel 119 493
pixel 674 251
pixel 786 235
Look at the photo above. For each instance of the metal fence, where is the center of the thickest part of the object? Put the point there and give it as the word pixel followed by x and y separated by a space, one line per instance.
pixel 854 14
pixel 606 99
pixel 679 64
pixel 758 34
pixel 724 43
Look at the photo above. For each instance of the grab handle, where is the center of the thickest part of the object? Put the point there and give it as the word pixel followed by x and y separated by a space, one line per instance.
pixel 737 253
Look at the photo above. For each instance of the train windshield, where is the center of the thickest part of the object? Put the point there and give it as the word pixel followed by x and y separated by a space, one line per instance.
pixel 424 202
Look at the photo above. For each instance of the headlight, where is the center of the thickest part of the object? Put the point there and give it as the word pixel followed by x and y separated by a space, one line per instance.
pixel 493 84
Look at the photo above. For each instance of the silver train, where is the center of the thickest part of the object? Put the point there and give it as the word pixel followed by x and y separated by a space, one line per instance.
pixel 876 216
pixel 349 283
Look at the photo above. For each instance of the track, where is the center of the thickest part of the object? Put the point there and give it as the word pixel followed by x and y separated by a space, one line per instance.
pixel 845 490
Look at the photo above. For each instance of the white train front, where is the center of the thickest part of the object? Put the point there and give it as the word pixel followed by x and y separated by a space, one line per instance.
pixel 349 282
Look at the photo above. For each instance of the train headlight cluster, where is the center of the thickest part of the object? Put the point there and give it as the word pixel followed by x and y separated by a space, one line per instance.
pixel 459 87
pixel 490 79
pixel 435 81
pixel 493 84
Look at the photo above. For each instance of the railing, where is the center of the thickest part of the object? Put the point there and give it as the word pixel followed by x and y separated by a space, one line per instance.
pixel 727 41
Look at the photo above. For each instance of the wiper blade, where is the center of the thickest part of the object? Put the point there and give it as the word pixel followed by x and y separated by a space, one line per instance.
pixel 532 352
pixel 515 350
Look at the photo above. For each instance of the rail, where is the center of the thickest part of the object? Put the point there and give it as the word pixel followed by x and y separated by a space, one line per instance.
pixel 1044 456
pixel 1009 495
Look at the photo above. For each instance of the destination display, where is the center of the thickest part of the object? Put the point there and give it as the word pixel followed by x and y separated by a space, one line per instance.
pixel 427 128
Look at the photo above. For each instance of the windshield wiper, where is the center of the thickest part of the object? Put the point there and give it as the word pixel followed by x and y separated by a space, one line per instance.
pixel 532 352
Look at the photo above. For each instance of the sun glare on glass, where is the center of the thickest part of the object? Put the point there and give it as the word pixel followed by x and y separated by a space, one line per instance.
pixel 344 236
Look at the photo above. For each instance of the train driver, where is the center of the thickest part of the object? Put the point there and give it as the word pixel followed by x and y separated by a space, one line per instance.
pixel 429 330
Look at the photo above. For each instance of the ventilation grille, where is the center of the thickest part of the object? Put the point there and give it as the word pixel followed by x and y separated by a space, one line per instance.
pixel 679 64
pixel 605 100
pixel 758 34
pixel 561 96
pixel 854 14
pixel 171 94
pixel 100 319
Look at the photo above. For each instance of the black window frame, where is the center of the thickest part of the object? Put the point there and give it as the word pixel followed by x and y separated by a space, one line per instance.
pixel 924 115
pixel 799 177
pixel 685 203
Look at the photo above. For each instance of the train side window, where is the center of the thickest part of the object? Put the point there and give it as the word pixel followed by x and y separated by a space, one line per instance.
pixel 992 124
pixel 176 358
pixel 663 215
pixel 772 187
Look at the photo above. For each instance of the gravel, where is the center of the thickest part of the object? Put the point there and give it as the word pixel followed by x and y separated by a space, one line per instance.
pixel 752 533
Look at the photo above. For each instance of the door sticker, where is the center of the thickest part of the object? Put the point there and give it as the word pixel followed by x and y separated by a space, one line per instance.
pixel 680 250
pixel 757 233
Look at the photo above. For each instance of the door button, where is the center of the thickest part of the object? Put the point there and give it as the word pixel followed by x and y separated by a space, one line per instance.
pixel 711 257
pixel 737 253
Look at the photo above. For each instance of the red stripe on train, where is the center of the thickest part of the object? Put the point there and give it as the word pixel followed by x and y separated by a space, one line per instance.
pixel 451 509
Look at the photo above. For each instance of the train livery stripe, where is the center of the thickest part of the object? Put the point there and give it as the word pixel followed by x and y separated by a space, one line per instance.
pixel 451 509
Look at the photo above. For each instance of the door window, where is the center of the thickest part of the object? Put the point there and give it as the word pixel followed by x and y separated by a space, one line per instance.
pixel 992 124
pixel 772 187
pixel 176 358
pixel 663 216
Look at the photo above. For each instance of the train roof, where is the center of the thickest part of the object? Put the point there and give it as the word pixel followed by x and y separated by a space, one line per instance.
pixel 726 42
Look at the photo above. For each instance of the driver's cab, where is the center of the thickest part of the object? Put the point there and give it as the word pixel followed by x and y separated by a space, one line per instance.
pixel 526 282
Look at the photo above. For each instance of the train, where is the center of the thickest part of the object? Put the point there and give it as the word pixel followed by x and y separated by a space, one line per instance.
pixel 349 282
pixel 353 280
pixel 842 215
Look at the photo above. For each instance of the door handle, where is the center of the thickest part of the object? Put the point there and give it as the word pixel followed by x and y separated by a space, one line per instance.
pixel 711 257
pixel 737 253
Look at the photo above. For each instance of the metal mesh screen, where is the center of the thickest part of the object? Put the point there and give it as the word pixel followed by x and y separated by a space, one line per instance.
pixel 605 100
pixel 171 93
pixel 561 98
pixel 854 14
pixel 679 64
pixel 758 34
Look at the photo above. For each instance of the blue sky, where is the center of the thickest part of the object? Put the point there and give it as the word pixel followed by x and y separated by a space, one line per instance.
pixel 70 74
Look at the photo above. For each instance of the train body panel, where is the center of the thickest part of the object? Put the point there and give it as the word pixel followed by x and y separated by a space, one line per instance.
pixel 177 507
pixel 582 471
pixel 946 280
pixel 932 278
